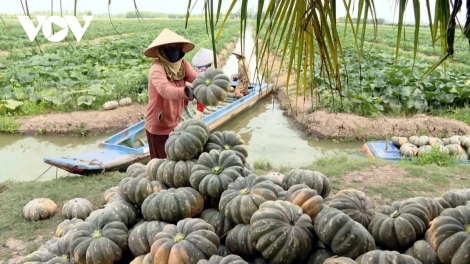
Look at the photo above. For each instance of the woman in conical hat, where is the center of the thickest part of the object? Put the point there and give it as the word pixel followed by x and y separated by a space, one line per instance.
pixel 167 88
pixel 243 74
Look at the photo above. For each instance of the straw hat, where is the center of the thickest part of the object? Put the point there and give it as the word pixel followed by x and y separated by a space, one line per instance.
pixel 168 37
pixel 238 51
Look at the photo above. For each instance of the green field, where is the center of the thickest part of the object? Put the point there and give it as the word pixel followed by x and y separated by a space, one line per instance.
pixel 103 66
pixel 379 86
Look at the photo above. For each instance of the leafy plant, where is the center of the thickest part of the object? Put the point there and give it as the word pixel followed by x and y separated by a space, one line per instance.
pixel 435 156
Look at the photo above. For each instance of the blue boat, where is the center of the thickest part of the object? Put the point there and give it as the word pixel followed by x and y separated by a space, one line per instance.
pixel 130 145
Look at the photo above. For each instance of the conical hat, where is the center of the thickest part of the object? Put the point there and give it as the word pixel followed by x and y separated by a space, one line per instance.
pixel 168 37
pixel 238 51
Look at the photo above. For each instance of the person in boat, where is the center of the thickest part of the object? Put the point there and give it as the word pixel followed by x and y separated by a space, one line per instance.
pixel 243 75
pixel 169 88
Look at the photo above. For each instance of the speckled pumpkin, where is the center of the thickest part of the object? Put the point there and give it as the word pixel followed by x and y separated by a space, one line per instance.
pixel 215 171
pixel 187 140
pixel 99 242
pixel 419 140
pixel 122 211
pixel 110 105
pixel 125 101
pixel 39 209
pixel 239 241
pixel 399 225
pixel 217 220
pixel 224 140
pixel 135 190
pixel 398 141
pixel 408 150
pixel 229 259
pixel 422 251
pixel 282 226
pixel 143 259
pixel 173 205
pixel 136 170
pixel 385 257
pixel 244 196
pixel 77 208
pixel 355 204
pixel 67 226
pixel 455 149
pixel 141 236
pixel 109 193
pixel 318 256
pixel 313 179
pixel 448 234
pixel 454 198
pixel 43 256
pixel 339 260
pixel 305 197
pixel 189 241
pixel 343 235
pixel 174 173
pixel 435 141
pixel 211 86
pixel 451 140
pixel 60 247
pixel 433 207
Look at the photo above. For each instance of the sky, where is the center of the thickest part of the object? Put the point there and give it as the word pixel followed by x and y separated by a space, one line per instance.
pixel 384 8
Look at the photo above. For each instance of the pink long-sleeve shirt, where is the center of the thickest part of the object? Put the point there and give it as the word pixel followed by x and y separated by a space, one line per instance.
pixel 166 99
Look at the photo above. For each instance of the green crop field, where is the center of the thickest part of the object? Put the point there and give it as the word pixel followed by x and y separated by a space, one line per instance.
pixel 84 75
pixel 378 86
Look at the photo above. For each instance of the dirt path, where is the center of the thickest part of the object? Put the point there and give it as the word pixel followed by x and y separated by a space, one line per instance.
pixel 94 122
pixel 349 127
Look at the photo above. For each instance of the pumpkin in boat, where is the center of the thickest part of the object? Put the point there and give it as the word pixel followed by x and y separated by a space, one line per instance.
pixel 385 257
pixel 419 140
pixel 355 204
pixel 305 197
pixel 227 140
pixel 398 141
pixel 110 105
pixel 39 209
pixel 189 241
pixel 125 101
pixel 77 208
pixel 408 150
pixel 187 140
pixel 211 86
pixel 214 171
pixel 276 219
pixel 313 179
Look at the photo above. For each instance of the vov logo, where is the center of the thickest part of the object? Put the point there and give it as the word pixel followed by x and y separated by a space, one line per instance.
pixel 45 23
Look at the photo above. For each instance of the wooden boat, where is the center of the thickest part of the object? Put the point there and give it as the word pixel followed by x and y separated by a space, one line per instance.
pixel 386 150
pixel 130 145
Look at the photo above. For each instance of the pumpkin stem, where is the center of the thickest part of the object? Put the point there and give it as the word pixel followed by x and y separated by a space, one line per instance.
pixel 467 228
pixel 217 170
pixel 226 146
pixel 395 214
pixel 208 81
pixel 178 237
pixel 245 191
pixel 65 256
pixel 96 234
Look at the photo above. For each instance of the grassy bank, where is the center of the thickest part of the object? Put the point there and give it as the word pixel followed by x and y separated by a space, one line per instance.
pixel 384 182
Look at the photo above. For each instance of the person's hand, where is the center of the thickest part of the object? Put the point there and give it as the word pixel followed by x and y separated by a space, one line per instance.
pixel 188 91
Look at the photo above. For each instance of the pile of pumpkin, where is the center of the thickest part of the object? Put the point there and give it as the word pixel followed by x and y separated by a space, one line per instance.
pixel 417 145
pixel 205 204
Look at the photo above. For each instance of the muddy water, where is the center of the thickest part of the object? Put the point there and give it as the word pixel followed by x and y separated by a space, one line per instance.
pixel 270 137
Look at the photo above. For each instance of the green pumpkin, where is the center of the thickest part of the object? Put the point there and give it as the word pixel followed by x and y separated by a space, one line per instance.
pixel 187 140
pixel 136 170
pixel 211 86
pixel 243 197
pixel 143 259
pixel 239 241
pixel 43 256
pixel 77 208
pixel 135 190
pixel 385 257
pixel 451 140
pixel 398 141
pixel 99 241
pixel 408 150
pixel 465 141
pixel 60 247
pixel 215 171
pixel 66 226
pixel 172 205
pixel 424 150
pixel 455 198
pixel 319 255
pixel 229 259
pixel 339 260
pixel 419 140
pixel 217 220
pixel 422 251
pixel 433 207
pixel 355 204
pixel 141 236
pixel 313 179
pixel 398 226
pixel 342 234
pixel 119 210
pixel 283 226
pixel 173 173
pixel 227 140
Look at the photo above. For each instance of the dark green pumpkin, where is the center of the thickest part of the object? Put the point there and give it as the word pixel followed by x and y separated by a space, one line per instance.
pixel 422 251
pixel 223 251
pixel 172 205
pixel 43 256
pixel 239 241
pixel 141 236
pixel 244 196
pixel 224 140
pixel 175 173
pixel 136 170
pixel 60 247
pixel 433 206
pixel 135 190
pixel 342 234
pixel 215 171
pixel 189 241
pixel 455 198
pixel 313 179
pixel 217 220
pixel 318 256
pixel 355 204
pixel 99 241
pixel 67 226
pixel 398 226
pixel 121 211
pixel 229 259
pixel 385 257
pixel 449 235
pixel 152 168
pixel 187 140
pixel 339 260
pixel 281 232
pixel 211 86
